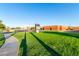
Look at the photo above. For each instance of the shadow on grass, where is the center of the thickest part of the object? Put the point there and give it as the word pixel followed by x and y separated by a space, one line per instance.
pixel 49 49
pixel 23 46
pixel 63 33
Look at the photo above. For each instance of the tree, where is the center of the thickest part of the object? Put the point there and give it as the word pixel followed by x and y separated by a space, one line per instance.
pixel 70 28
pixel 0 21
pixel 18 27
pixel 32 28
pixel 2 26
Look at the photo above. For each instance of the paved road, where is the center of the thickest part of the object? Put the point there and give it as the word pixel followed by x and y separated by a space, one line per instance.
pixel 10 46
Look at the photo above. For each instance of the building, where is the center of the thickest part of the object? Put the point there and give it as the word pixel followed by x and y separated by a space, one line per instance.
pixel 76 28
pixel 46 28
pixel 55 28
pixel 37 28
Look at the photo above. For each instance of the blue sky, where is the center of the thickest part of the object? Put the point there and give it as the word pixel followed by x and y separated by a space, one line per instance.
pixel 44 14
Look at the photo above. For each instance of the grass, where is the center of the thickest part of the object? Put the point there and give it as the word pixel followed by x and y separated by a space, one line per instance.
pixel 2 39
pixel 65 45
pixel 34 47
pixel 20 36
pixel 48 43
pixel 72 34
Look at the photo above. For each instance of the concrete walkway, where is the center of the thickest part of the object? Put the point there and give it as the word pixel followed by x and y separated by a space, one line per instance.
pixel 10 46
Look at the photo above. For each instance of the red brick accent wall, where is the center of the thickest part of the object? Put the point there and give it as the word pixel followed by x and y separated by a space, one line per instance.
pixel 46 27
pixel 55 27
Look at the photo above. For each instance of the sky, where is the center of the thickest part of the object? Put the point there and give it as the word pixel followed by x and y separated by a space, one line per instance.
pixel 24 14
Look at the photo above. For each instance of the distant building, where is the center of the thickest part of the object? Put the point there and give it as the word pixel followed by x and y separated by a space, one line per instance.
pixel 37 28
pixel 55 28
pixel 46 28
pixel 8 29
pixel 76 28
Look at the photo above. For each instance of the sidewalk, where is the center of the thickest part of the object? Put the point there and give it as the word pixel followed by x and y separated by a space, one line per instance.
pixel 10 46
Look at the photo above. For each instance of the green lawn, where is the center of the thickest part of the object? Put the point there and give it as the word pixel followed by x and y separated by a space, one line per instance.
pixel 65 45
pixel 2 39
pixel 72 34
pixel 34 47
pixel 20 36
pixel 44 44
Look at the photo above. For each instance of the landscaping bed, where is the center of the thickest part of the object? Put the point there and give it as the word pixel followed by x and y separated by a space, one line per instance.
pixel 2 39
